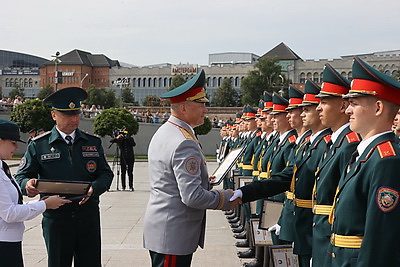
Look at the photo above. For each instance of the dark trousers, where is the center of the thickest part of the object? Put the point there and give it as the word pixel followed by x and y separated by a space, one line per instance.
pixel 11 254
pixel 127 165
pixel 164 260
pixel 73 235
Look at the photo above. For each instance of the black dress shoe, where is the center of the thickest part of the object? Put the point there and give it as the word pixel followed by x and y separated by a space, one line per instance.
pixel 242 244
pixel 235 225
pixel 229 212
pixel 253 263
pixel 238 230
pixel 234 220
pixel 229 217
pixel 242 235
pixel 132 189
pixel 250 253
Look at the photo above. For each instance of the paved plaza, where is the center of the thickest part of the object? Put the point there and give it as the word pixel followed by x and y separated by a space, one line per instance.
pixel 122 214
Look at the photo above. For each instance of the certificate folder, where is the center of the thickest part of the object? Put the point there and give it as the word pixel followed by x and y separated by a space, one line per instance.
pixel 227 164
pixel 62 187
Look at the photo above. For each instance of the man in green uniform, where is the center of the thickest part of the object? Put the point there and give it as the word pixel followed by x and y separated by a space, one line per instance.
pixel 67 153
pixel 366 215
pixel 343 142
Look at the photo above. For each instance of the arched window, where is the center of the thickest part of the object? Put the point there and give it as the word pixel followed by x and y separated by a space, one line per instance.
pixel 154 82
pixel 160 82
pixel 30 82
pixel 133 82
pixel 139 82
pixel 237 82
pixel 219 81
pixel 149 82
pixel 214 82
pixel 165 82
pixel 302 77
pixel 316 77
pixel 170 81
pixel 395 72
pixel 144 82
pixel 8 83
pixel 309 75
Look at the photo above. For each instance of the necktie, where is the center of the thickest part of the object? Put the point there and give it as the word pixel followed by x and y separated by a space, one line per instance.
pixel 8 173
pixel 352 160
pixel 69 142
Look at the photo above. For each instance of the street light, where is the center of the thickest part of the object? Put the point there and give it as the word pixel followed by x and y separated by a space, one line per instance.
pixel 56 61
pixel 283 81
pixel 84 78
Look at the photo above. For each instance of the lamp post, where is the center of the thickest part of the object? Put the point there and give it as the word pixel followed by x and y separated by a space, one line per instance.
pixel 56 61
pixel 84 79
pixel 283 81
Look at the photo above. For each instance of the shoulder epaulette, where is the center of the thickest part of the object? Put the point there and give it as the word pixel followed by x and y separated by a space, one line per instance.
pixel 292 138
pixel 41 135
pixel 327 138
pixel 307 138
pixel 386 149
pixel 259 133
pixel 186 133
pixel 87 133
pixel 352 137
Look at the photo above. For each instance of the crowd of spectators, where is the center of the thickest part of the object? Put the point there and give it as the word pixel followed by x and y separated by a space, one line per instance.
pixel 219 122
pixel 148 116
pixel 7 104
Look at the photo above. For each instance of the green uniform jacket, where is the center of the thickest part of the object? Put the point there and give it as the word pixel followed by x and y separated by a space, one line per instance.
pixel 304 183
pixel 247 168
pixel 367 206
pixel 327 178
pixel 48 157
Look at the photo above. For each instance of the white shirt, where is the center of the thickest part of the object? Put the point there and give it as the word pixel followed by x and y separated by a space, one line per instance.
pixel 12 214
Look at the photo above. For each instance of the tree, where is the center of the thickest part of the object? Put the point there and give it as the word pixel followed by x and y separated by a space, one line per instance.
pixel 16 91
pixel 100 96
pixel 127 96
pixel 261 79
pixel 33 114
pixel 226 96
pixel 152 101
pixel 177 81
pixel 115 118
pixel 205 128
pixel 45 91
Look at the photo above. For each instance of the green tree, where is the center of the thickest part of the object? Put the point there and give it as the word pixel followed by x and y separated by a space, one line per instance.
pixel 100 96
pixel 127 96
pixel 152 101
pixel 177 81
pixel 16 91
pixel 32 114
pixel 205 128
pixel 45 91
pixel 115 118
pixel 266 73
pixel 226 96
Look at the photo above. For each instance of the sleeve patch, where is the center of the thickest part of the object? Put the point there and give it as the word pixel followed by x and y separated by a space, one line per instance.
pixel 192 165
pixel 387 199
pixel 353 137
pixel 386 150
pixel 22 163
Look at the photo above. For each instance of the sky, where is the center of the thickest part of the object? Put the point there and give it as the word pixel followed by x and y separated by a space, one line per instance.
pixel 176 31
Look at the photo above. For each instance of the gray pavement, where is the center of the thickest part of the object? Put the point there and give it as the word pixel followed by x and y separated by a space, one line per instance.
pixel 122 214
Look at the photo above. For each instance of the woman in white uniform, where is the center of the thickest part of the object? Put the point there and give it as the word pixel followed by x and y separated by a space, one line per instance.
pixel 13 212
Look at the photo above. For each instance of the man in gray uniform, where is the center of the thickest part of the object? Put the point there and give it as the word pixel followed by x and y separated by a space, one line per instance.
pixel 174 223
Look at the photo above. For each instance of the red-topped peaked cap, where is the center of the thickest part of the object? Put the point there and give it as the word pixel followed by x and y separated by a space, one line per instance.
pixel 334 84
pixel 311 89
pixel 295 97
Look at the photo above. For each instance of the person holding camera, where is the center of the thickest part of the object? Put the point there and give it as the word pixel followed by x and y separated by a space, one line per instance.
pixel 125 143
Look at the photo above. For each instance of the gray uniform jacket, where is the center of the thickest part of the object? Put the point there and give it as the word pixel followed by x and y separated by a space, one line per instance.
pixel 179 191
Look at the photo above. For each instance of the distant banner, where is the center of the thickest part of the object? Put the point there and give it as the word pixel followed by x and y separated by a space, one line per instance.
pixel 19 72
pixel 184 69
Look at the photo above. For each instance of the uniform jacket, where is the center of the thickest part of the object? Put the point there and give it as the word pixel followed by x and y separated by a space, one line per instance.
pixel 125 145
pixel 48 157
pixel 179 191
pixel 367 206
pixel 327 178
pixel 247 167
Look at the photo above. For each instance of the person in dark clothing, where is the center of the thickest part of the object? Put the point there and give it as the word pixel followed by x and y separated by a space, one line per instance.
pixel 126 143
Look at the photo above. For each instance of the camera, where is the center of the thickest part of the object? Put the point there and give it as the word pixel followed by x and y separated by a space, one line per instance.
pixel 119 132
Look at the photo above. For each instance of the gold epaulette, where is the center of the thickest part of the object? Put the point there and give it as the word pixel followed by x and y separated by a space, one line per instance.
pixel 186 134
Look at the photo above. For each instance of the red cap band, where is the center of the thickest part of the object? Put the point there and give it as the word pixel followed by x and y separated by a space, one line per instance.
pixel 333 89
pixel 380 90
pixel 310 98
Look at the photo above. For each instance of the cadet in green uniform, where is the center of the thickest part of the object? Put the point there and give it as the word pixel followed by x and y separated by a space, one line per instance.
pixel 343 142
pixel 67 153
pixel 366 213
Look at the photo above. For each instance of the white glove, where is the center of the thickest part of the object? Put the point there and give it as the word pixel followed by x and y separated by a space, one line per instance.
pixel 276 228
pixel 236 194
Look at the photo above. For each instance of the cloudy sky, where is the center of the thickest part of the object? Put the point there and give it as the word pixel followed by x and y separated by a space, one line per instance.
pixel 176 31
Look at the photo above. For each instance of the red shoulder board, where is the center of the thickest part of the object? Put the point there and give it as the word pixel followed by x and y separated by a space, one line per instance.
pixel 307 137
pixel 327 138
pixel 386 149
pixel 292 138
pixel 352 137
pixel 259 133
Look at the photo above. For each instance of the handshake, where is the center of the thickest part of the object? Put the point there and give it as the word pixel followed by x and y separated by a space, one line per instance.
pixel 236 198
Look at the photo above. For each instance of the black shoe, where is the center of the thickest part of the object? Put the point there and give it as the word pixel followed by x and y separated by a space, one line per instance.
pixel 253 263
pixel 234 220
pixel 242 244
pixel 250 253
pixel 132 189
pixel 235 225
pixel 238 230
pixel 242 235
pixel 229 212
pixel 229 217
